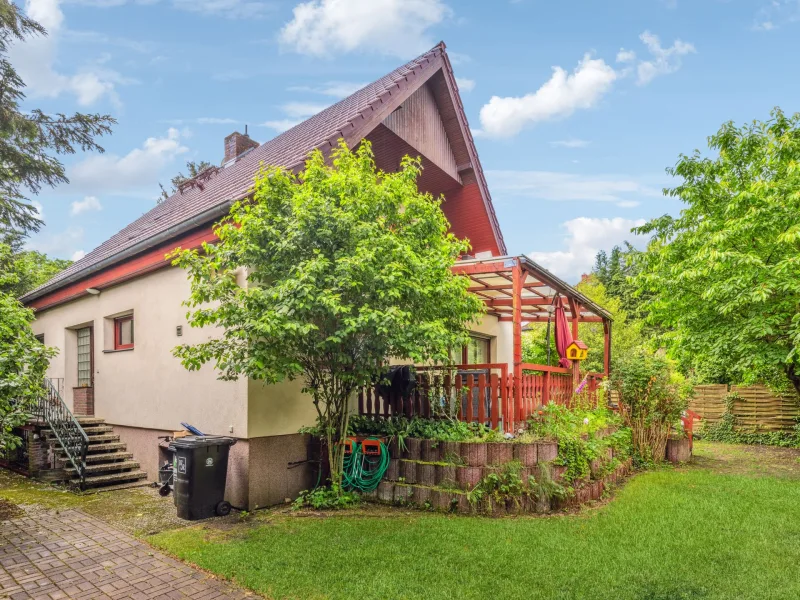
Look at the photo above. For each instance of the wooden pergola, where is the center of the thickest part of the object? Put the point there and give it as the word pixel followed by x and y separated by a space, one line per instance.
pixel 516 289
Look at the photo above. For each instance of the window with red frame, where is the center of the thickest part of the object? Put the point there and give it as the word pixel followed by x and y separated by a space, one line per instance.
pixel 123 333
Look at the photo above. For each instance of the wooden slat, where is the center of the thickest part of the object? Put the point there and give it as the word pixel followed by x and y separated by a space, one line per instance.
pixel 470 395
pixel 482 398
pixel 460 397
pixel 494 398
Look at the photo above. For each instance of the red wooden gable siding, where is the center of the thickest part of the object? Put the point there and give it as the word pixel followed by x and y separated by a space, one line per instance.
pixel 466 211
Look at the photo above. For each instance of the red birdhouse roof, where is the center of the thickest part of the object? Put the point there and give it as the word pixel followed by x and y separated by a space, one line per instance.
pixel 579 344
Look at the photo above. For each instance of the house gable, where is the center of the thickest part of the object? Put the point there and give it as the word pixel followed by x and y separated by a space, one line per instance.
pixel 425 87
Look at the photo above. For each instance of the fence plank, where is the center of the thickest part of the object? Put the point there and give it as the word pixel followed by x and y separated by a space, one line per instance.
pixel 494 399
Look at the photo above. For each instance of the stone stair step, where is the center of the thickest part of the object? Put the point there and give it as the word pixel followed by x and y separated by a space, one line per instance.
pixel 94 429
pixel 119 486
pixel 103 437
pixel 109 457
pixel 98 480
pixel 100 448
pixel 106 467
pixel 89 421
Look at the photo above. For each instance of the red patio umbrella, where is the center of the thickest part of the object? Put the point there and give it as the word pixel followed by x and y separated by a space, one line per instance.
pixel 563 336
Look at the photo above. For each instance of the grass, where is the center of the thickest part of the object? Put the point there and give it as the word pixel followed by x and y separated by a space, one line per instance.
pixel 139 511
pixel 727 527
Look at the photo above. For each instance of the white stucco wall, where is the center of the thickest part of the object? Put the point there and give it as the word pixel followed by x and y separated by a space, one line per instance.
pixel 146 386
pixel 502 334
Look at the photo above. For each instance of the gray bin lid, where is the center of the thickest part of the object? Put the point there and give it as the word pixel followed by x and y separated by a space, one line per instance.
pixel 199 441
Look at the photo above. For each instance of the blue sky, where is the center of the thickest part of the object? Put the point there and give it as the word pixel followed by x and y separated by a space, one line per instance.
pixel 577 107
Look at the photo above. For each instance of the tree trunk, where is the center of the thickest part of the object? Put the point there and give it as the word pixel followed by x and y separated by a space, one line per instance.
pixel 793 377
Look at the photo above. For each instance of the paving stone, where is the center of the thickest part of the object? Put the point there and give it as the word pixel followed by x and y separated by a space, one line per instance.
pixel 55 556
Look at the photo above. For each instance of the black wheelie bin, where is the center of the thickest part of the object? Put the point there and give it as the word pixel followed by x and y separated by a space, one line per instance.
pixel 201 467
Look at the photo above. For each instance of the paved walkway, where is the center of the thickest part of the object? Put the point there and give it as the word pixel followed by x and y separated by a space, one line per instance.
pixel 49 555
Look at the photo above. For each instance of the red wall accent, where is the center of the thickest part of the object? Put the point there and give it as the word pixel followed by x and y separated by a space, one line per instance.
pixel 146 262
pixel 465 210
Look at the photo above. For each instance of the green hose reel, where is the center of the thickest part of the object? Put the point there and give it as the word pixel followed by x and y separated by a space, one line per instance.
pixel 365 465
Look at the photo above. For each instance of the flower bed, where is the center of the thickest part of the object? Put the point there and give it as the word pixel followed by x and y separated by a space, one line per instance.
pixel 563 457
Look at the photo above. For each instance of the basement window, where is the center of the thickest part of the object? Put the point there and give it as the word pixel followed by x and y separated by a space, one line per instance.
pixel 123 333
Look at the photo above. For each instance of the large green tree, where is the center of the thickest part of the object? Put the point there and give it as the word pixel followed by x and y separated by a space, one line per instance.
pixel 724 275
pixel 31 140
pixel 346 267
pixel 30 143
pixel 23 362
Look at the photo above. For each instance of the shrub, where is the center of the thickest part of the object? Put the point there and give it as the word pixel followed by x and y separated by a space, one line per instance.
pixel 650 402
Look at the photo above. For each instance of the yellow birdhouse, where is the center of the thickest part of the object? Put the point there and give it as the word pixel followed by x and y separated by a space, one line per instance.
pixel 577 350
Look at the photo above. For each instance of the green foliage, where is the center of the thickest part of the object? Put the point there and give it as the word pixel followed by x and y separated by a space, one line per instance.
pixel 28 140
pixel 651 399
pixel 627 333
pixel 30 268
pixel 346 267
pixel 23 362
pixel 616 273
pixel 442 430
pixel 581 436
pixel 534 344
pixel 723 278
pixel 194 168
pixel 726 430
pixel 326 499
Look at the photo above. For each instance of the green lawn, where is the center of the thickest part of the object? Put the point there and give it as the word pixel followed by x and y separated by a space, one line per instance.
pixel 726 527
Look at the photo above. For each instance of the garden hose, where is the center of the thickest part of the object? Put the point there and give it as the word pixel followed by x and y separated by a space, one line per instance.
pixel 364 472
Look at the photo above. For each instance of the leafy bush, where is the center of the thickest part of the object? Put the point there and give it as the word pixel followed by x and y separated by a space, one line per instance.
pixel 577 433
pixel 443 430
pixel 325 499
pixel 651 400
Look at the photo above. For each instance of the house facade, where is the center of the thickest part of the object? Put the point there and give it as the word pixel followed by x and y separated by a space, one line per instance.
pixel 116 314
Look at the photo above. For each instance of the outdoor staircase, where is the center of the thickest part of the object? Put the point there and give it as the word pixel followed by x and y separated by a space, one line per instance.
pixel 108 463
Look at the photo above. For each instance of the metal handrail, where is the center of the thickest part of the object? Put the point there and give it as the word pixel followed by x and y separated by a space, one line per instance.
pixel 73 439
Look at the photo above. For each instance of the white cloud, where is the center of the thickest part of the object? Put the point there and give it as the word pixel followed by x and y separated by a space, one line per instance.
pixel 775 13
pixel 559 97
pixel 39 209
pixel 584 238
pixel 77 255
pixel 302 109
pixel 336 89
pixel 396 27
pixel 296 112
pixel 62 244
pixel 664 60
pixel 281 125
pixel 570 143
pixel 36 57
pixel 88 203
pixel 626 56
pixel 465 85
pixel 137 171
pixel 561 187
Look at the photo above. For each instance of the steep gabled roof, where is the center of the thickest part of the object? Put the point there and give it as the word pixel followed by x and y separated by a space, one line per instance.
pixel 351 118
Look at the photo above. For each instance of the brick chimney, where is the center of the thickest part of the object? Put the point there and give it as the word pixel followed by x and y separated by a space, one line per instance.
pixel 236 144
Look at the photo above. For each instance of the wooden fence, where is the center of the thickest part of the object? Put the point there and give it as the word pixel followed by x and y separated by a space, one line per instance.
pixel 757 408
pixel 486 397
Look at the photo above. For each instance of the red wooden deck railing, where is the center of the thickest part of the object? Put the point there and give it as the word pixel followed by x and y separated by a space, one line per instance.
pixel 482 393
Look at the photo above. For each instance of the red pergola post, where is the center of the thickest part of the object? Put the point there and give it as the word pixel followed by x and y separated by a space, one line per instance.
pixel 516 282
pixel 607 347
